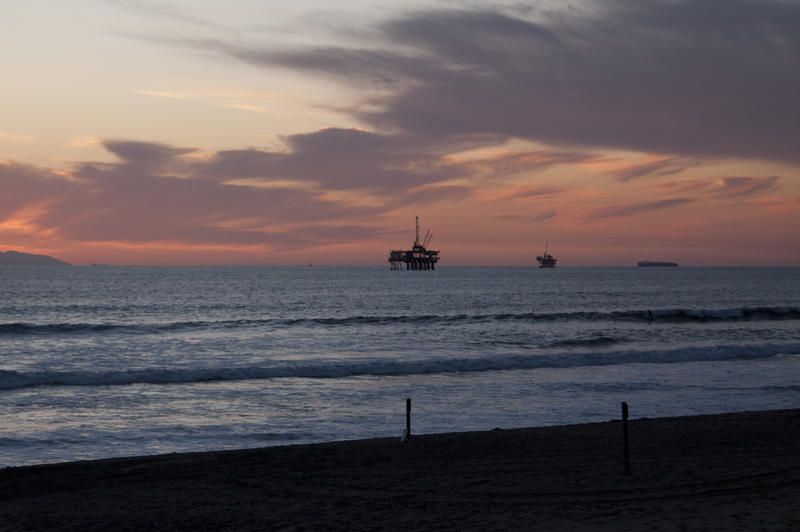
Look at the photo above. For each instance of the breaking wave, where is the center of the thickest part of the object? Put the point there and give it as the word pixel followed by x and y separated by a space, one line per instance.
pixel 640 315
pixel 384 367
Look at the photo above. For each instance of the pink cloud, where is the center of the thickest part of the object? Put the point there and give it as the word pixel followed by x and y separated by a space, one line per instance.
pixel 526 193
pixel 625 211
pixel 537 217
pixel 726 187
pixel 686 185
pixel 658 168
pixel 158 194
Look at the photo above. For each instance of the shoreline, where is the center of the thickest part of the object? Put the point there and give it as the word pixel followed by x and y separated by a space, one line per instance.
pixel 736 471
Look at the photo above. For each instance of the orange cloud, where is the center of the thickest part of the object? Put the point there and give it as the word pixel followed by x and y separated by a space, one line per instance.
pixel 245 107
pixel 344 196
pixel 11 137
pixel 525 193
pixel 25 220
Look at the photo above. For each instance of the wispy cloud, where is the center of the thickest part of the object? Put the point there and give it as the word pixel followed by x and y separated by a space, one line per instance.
pixel 779 205
pixel 726 187
pixel 252 101
pixel 737 187
pixel 84 141
pixel 426 195
pixel 166 94
pixel 526 193
pixel 11 137
pixel 24 221
pixel 245 107
pixel 625 211
pixel 223 94
pixel 518 219
pixel 169 11
pixel 658 168
pixel 686 185
pixel 509 163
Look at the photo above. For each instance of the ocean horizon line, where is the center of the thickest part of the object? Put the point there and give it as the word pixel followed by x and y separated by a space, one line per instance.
pixel 376 266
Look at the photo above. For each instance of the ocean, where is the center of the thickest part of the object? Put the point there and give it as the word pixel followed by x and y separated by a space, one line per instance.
pixel 100 361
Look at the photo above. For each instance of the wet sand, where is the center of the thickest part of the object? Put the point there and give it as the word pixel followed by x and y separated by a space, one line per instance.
pixel 723 472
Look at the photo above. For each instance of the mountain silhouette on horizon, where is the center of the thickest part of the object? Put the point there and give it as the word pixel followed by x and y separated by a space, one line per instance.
pixel 17 258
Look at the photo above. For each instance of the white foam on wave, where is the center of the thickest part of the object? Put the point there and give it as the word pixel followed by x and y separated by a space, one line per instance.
pixel 391 367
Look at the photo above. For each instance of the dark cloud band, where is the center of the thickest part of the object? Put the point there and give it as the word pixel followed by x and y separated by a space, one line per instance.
pixel 703 78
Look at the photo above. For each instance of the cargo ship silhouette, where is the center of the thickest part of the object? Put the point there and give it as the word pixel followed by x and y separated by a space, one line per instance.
pixel 651 263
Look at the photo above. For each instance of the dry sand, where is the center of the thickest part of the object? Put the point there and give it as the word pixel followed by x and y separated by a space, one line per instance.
pixel 724 472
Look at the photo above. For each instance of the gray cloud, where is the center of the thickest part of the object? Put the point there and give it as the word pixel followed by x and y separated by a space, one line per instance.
pixel 727 187
pixel 516 218
pixel 539 217
pixel 148 154
pixel 340 159
pixel 543 216
pixel 23 184
pixel 711 78
pixel 735 187
pixel 670 166
pixel 686 185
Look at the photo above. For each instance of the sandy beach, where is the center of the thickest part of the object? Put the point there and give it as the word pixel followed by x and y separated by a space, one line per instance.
pixel 722 472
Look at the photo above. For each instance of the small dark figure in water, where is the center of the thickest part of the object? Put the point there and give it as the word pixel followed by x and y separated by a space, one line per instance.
pixel 649 315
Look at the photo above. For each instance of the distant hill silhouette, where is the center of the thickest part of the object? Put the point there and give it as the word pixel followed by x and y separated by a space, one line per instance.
pixel 17 258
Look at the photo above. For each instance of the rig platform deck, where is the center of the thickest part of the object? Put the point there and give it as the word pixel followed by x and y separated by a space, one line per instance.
pixel 416 258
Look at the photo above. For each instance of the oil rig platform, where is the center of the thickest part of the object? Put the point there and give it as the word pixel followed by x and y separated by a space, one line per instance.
pixel 546 260
pixel 416 258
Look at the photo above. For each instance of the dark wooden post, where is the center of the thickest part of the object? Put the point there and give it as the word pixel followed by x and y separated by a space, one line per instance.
pixel 408 419
pixel 625 437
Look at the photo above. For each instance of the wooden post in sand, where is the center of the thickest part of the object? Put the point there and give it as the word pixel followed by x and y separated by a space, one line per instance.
pixel 625 437
pixel 408 418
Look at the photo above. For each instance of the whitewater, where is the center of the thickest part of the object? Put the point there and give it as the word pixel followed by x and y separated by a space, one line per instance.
pixel 113 361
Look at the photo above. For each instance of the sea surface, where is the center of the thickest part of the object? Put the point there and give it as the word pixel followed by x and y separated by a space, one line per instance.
pixel 113 361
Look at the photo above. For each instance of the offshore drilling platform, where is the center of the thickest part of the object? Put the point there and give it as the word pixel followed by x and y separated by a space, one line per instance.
pixel 416 258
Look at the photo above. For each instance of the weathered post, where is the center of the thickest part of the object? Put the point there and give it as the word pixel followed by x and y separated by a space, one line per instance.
pixel 408 418
pixel 625 437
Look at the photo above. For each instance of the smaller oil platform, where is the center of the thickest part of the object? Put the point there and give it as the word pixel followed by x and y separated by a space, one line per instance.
pixel 546 260
pixel 419 257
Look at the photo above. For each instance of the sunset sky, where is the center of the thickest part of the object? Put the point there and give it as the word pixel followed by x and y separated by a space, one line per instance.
pixel 260 132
